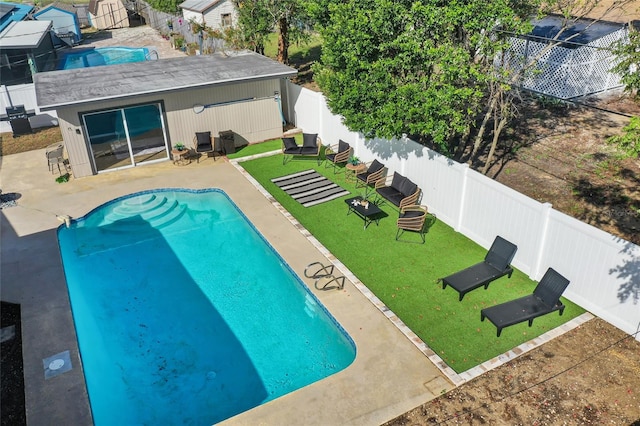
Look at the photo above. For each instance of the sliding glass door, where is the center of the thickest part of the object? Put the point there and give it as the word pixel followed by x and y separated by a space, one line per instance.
pixel 126 137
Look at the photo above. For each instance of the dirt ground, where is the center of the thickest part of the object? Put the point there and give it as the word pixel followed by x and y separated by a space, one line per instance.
pixel 557 153
pixel 590 375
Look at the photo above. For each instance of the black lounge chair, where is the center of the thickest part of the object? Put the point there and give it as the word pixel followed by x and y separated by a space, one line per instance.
pixel 545 299
pixel 495 265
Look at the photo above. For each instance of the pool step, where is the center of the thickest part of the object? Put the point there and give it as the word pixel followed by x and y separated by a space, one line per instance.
pixel 155 211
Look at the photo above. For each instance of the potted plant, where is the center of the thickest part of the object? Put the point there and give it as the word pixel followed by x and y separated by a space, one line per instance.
pixel 170 24
pixel 179 146
pixel 354 160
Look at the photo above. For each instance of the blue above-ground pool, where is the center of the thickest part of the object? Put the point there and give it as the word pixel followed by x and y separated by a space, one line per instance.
pixel 185 314
pixel 95 57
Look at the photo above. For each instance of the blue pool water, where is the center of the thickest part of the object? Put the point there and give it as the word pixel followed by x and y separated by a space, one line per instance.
pixel 186 315
pixel 95 57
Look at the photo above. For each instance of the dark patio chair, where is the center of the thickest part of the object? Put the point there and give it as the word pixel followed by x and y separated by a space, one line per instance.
pixel 496 264
pixel 412 218
pixel 367 179
pixel 545 299
pixel 311 145
pixel 204 144
pixel 337 154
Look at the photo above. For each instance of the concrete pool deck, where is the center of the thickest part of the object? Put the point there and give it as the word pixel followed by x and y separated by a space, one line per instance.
pixel 389 376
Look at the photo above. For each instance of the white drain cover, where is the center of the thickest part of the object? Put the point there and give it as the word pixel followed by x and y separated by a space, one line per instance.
pixel 56 364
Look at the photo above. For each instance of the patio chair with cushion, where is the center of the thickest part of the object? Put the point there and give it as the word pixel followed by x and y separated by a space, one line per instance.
pixel 495 265
pixel 399 191
pixel 337 154
pixel 311 145
pixel 412 218
pixel 204 144
pixel 545 299
pixel 375 171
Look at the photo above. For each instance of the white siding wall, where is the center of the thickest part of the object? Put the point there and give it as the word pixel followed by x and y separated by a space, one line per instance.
pixel 24 94
pixel 213 17
pixel 189 15
pixel 604 270
pixel 182 122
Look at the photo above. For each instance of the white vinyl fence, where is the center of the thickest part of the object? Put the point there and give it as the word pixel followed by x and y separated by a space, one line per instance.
pixel 604 270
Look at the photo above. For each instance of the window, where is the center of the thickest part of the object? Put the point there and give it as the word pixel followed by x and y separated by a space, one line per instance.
pixel 226 20
pixel 125 137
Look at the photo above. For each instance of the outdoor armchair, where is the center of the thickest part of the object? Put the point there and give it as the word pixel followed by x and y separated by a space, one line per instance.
pixel 375 171
pixel 337 154
pixel 398 190
pixel 545 299
pixel 54 153
pixel 495 265
pixel 203 144
pixel 412 218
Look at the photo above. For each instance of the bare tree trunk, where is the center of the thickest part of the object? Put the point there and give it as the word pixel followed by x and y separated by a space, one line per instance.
pixel 496 136
pixel 485 120
pixel 462 144
pixel 283 40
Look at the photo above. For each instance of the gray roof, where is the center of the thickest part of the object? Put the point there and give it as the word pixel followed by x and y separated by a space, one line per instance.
pixel 58 5
pixel 24 34
pixel 82 85
pixel 199 5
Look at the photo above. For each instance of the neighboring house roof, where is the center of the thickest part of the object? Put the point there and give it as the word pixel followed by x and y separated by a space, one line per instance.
pixel 12 12
pixel 583 31
pixel 199 6
pixel 77 86
pixel 67 8
pixel 24 34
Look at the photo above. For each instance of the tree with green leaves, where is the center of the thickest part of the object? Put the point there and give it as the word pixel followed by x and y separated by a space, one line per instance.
pixel 415 67
pixel 259 18
pixel 168 6
pixel 627 51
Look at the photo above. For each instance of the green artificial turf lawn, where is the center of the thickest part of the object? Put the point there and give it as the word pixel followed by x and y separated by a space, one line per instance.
pixel 258 148
pixel 404 275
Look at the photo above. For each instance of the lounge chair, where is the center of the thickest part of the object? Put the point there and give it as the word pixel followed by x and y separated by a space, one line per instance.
pixel 496 264
pixel 337 154
pixel 311 145
pixel 545 299
pixel 203 144
pixel 374 172
pixel 412 218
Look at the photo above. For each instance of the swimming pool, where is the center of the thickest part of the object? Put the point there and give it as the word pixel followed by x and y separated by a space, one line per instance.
pixel 186 315
pixel 95 57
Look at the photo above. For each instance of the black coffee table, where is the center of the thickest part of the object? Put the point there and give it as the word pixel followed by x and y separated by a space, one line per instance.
pixel 369 214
